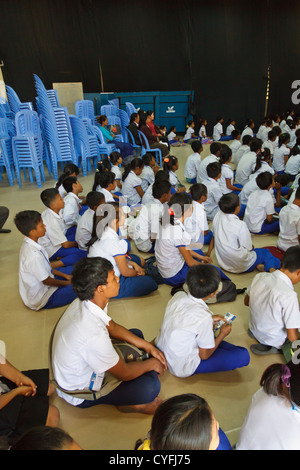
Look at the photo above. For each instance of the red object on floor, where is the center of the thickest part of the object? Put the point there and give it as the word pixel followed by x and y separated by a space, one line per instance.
pixel 275 252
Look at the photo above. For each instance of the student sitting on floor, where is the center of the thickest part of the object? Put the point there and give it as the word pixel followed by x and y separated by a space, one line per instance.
pixel 281 154
pixel 214 193
pixel 133 280
pixel 197 225
pixel 59 249
pixel 171 165
pixel 83 352
pixel 72 209
pixel 115 160
pixel 105 183
pixel 86 221
pixel 233 244
pixel 214 156
pixel 149 171
pixel 132 184
pixel 247 163
pixel 236 144
pixel 184 422
pixel 161 175
pixel 69 170
pixel 260 209
pixel 193 161
pixel 187 336
pixel 245 147
pixel 146 227
pixel 289 224
pixel 39 285
pixel 274 307
pixel 226 182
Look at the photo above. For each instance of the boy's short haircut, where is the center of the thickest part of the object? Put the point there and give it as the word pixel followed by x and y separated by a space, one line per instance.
pixel 196 146
pixel 291 259
pixel 203 280
pixel 282 179
pixel 256 144
pixel 235 133
pixel 215 147
pixel 88 274
pixel 229 202
pixel 147 158
pixel 198 190
pixel 48 196
pixel 94 198
pixel 277 130
pixel 272 135
pixel 213 170
pixel 26 221
pixel 247 139
pixel 160 188
pixel 162 175
pixel 106 178
pixel 68 183
pixel 264 180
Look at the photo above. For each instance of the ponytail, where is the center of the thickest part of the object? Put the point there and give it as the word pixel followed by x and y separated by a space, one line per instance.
pixel 275 380
pixel 103 216
pixel 176 208
pixel 169 162
pixel 135 163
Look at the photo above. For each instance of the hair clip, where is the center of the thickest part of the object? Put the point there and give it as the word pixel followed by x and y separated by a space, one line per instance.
pixel 171 212
pixel 286 375
pixel 166 160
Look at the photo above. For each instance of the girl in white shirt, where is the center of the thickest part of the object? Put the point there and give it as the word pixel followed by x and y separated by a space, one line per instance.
pixel 273 418
pixel 116 161
pixel 292 167
pixel 173 139
pixel 149 171
pixel 193 161
pixel 218 129
pixel 69 170
pixel 248 130
pixel 171 165
pixel 190 133
pixel 132 183
pixel 105 183
pixel 106 244
pixel 230 127
pixel 202 133
pixel 226 182
pixel 281 154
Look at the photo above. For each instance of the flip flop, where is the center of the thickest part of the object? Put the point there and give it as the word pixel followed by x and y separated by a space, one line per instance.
pixel 263 350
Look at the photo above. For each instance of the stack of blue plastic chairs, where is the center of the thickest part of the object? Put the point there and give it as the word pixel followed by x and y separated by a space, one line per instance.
pixel 7 131
pixel 56 127
pixel 27 147
pixel 130 108
pixel 15 103
pixel 86 145
pixel 84 109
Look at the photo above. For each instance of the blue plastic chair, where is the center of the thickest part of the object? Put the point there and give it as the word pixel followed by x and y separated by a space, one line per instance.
pixel 114 102
pixel 109 110
pixel 6 163
pixel 85 109
pixel 14 101
pixel 86 145
pixel 146 148
pixel 130 108
pixel 103 147
pixel 131 141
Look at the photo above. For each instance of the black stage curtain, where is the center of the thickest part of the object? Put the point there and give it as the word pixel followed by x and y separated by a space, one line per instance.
pixel 220 49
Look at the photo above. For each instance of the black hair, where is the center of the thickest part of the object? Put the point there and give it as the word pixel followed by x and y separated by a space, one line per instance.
pixel 229 202
pixel 88 274
pixel 249 123
pixel 135 163
pixel 147 158
pixel 198 190
pixel 291 259
pixel 225 154
pixel 178 203
pixel 296 149
pixel 68 170
pixel 43 438
pixel 277 130
pixel 171 129
pixel 104 214
pixel 256 145
pixel 272 135
pixel 197 146
pixel 215 147
pixel 94 198
pixel 213 170
pixel 283 139
pixel 133 117
pixel 104 179
pixel 162 175
pixel 235 133
pixel 68 183
pixel 264 180
pixel 160 188
pixel 48 196
pixel 102 119
pixel 263 156
pixel 169 162
pixel 203 280
pixel 247 139
pixel 182 422
pixel 283 179
pixel 25 221
pixel 114 157
pixel 273 383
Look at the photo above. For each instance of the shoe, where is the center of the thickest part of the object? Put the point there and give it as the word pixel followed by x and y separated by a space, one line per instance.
pixel 241 291
pixel 263 350
pixel 5 230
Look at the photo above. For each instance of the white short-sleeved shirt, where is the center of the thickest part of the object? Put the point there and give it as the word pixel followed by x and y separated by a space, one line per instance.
pixel 187 326
pixel 247 131
pixel 274 308
pixel 271 424
pixel 202 132
pixel 148 195
pixel 147 177
pixel 226 174
pixel 55 232
pixel 201 170
pixel 278 157
pixel 235 146
pixel 260 204
pixel 71 210
pixel 240 152
pixel 108 195
pixel 214 194
pixel 268 145
pixel 197 223
pixel 260 132
pixel 168 257
pixel 289 223
pixel 117 171
pixel 84 229
pixel 193 161
pixel 34 268
pixel 129 189
pixel 189 133
pixel 265 134
pixel 245 167
pixel 171 136
pixel 233 243
pixel 108 247
pixel 251 185
pixel 147 225
pixel 62 191
pixel 81 347
pixel 292 166
pixel 218 131
pixel 230 129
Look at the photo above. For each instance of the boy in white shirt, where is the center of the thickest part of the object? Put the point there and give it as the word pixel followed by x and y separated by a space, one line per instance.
pixel 245 147
pixel 215 149
pixel 149 171
pixel 40 286
pixel 193 161
pixel 186 335
pixel 289 224
pixel 73 206
pixel 274 306
pixel 260 209
pixel 214 193
pixel 247 163
pixel 197 225
pixel 59 249
pixel 233 244
pixel 85 223
pixel 236 144
pixel 269 143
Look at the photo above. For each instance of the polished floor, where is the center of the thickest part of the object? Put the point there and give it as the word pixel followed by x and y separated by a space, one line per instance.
pixel 26 334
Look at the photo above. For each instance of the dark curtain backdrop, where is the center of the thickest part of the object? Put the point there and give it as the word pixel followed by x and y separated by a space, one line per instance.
pixel 220 49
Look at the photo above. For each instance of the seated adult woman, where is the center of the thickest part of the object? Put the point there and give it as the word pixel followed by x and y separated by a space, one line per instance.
pixel 153 140
pixel 125 149
pixel 84 358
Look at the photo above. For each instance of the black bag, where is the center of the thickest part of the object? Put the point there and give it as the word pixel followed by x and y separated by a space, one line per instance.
pixel 152 270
